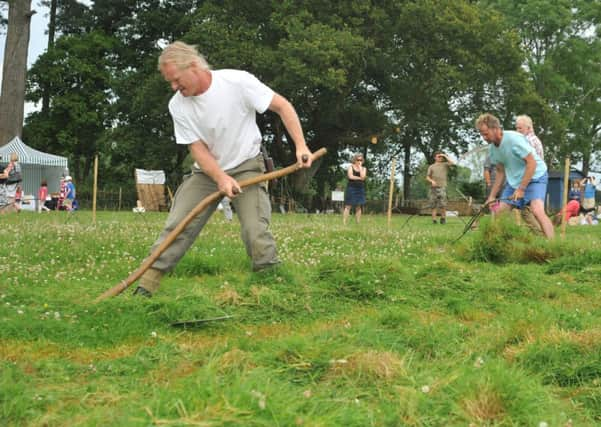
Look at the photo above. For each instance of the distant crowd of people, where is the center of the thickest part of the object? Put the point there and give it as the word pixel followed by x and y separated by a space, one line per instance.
pixel 12 196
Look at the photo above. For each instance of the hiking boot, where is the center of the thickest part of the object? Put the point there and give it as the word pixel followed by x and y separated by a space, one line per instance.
pixel 265 267
pixel 142 292
pixel 443 220
pixel 151 280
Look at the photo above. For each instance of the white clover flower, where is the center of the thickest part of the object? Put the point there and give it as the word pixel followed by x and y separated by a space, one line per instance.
pixel 153 334
pixel 425 389
pixel 260 397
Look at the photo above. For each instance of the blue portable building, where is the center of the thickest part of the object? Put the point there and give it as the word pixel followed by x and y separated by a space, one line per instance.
pixel 554 200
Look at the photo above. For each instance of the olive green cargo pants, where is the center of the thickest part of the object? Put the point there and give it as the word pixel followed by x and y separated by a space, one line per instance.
pixel 252 208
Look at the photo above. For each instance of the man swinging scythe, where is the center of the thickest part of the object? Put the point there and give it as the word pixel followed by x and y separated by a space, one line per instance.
pixel 214 113
pixel 525 171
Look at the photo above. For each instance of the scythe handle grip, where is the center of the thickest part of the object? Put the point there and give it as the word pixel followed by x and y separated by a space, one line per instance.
pixel 204 203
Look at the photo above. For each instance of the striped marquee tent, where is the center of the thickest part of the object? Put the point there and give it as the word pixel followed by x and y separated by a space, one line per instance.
pixel 35 166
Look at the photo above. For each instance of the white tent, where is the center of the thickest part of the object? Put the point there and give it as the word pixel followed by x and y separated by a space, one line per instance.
pixel 35 166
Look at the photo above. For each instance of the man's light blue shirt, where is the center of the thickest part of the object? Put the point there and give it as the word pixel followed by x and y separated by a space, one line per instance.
pixel 512 150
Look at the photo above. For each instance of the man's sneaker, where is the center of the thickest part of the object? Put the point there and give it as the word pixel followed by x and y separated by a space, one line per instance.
pixel 267 267
pixel 434 221
pixel 142 292
pixel 443 220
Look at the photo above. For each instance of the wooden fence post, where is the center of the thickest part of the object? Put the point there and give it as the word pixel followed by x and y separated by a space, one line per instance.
pixel 566 186
pixel 391 191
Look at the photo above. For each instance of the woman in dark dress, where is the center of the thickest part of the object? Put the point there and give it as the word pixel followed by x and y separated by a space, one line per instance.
pixel 355 190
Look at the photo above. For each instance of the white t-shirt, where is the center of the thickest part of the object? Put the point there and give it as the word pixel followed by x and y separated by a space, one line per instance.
pixel 223 117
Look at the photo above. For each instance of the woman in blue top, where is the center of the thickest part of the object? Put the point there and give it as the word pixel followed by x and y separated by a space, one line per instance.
pixel 524 171
pixel 355 190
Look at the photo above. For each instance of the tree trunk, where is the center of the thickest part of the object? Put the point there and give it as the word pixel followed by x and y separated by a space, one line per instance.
pixel 586 163
pixel 51 32
pixel 407 170
pixel 14 71
pixel 52 24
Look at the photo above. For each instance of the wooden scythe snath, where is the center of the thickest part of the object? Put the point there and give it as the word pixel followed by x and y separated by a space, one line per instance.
pixel 210 199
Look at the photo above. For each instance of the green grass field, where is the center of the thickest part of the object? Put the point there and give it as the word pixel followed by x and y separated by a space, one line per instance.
pixel 363 325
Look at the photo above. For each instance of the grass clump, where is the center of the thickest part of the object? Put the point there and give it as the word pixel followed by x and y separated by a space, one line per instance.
pixel 565 364
pixel 489 396
pixel 362 280
pixel 500 240
pixel 369 366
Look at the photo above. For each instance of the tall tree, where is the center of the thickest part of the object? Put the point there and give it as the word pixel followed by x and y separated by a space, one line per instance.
pixel 561 44
pixel 14 70
pixel 446 61
pixel 78 71
pixel 123 112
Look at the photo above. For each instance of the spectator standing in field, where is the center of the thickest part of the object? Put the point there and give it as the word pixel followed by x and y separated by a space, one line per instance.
pixel 69 193
pixel 524 171
pixel 42 196
pixel 588 194
pixel 437 175
pixel 3 198
pixel 18 198
pixel 355 189
pixel 214 114
pixel 575 192
pixel 61 194
pixel 524 125
pixel 12 177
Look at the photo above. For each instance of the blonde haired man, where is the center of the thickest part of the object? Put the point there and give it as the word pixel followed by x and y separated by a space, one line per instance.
pixel 523 124
pixel 524 171
pixel 213 114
